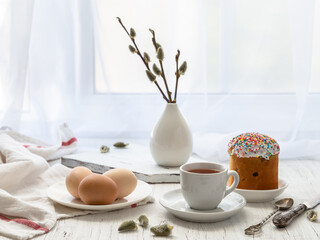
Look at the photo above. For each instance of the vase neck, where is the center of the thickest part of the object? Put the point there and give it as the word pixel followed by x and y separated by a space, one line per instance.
pixel 172 108
pixel 172 105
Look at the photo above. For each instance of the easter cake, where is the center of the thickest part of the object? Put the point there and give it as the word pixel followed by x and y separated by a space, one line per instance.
pixel 255 158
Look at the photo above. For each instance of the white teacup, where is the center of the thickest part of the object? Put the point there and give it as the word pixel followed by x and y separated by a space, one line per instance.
pixel 204 191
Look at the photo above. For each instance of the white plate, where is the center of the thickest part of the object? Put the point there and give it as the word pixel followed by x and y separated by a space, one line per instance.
pixel 59 193
pixel 174 202
pixel 262 195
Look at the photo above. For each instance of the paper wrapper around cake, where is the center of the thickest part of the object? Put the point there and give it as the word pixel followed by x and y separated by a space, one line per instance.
pixel 255 173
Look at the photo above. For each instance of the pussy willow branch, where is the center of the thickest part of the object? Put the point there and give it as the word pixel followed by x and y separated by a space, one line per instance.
pixel 162 70
pixel 142 58
pixel 177 75
pixel 134 43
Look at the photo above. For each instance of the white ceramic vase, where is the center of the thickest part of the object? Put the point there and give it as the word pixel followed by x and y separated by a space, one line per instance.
pixel 171 139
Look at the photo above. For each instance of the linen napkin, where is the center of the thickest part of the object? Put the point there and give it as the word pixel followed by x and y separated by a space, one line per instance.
pixel 25 175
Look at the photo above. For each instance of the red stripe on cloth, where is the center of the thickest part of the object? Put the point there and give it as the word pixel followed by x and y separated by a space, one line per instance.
pixel 26 146
pixel 72 140
pixel 4 219
pixel 25 222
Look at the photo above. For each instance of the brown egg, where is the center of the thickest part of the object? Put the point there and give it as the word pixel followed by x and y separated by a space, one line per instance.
pixel 97 189
pixel 125 180
pixel 74 178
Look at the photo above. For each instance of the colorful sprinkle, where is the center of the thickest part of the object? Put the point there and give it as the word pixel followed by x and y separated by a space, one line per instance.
pixel 253 145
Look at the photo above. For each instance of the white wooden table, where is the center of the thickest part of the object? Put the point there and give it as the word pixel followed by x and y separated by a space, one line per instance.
pixel 303 177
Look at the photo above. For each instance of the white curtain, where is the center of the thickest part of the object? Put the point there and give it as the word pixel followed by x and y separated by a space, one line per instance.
pixel 253 66
pixel 15 41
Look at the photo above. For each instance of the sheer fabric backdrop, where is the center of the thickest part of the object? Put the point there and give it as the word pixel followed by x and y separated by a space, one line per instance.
pixel 253 66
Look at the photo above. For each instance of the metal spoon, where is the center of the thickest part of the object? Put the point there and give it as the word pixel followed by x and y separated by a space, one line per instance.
pixel 282 204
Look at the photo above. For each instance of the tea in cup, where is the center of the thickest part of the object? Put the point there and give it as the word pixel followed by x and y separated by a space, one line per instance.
pixel 204 184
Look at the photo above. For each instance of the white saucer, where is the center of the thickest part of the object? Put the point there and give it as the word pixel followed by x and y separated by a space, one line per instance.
pixel 262 195
pixel 59 193
pixel 174 202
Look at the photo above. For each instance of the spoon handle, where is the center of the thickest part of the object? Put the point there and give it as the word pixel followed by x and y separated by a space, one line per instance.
pixel 269 216
pixel 254 229
pixel 283 219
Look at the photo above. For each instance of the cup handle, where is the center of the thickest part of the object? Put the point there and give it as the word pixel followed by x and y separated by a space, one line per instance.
pixel 235 182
